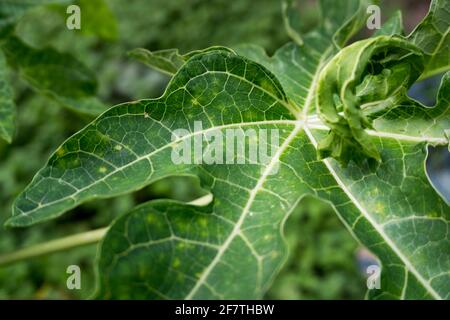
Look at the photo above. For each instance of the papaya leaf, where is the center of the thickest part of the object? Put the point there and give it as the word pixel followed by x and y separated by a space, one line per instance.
pixel 298 66
pixel 394 26
pixel 167 61
pixel 413 119
pixel 342 19
pixel 432 36
pixel 291 19
pixel 369 74
pixel 233 247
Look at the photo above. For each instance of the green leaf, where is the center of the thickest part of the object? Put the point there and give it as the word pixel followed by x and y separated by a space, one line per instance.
pixel 308 60
pixel 97 19
pixel 241 230
pixel 11 10
pixel 7 111
pixel 167 61
pixel 342 19
pixel 394 26
pixel 372 74
pixel 413 120
pixel 298 66
pixel 222 65
pixel 432 36
pixel 57 75
pixel 291 19
pixel 234 247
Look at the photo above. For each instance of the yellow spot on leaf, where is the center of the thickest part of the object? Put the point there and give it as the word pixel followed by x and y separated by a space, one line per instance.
pixel 150 218
pixel 181 245
pixel 203 222
pixel 266 85
pixel 433 214
pixel 268 237
pixel 61 152
pixel 176 263
pixel 379 207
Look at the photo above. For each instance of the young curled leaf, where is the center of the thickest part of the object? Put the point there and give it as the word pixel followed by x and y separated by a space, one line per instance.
pixel 364 78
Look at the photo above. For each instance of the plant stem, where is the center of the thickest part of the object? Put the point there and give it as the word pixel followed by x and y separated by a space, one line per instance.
pixel 52 246
pixel 77 240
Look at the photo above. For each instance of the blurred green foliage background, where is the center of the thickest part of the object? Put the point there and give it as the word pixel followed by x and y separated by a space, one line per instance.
pixel 322 263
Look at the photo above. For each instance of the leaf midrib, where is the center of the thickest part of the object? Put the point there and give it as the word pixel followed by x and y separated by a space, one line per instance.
pixel 302 114
pixel 147 156
pixel 374 224
pixel 362 210
pixel 237 228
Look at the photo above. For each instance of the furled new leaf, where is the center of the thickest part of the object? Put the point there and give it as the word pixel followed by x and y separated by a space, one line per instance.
pixel 372 74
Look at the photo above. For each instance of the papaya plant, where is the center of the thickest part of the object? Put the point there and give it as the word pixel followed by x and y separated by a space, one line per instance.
pixel 349 135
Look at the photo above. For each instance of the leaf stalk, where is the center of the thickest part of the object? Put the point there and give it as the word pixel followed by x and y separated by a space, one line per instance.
pixel 77 240
pixel 69 242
